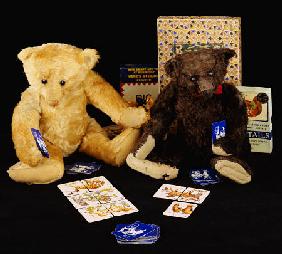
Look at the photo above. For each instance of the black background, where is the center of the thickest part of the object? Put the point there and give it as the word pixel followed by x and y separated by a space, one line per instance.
pixel 37 218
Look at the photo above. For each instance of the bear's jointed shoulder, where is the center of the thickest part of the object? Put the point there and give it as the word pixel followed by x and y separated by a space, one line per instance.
pixel 230 89
pixel 231 95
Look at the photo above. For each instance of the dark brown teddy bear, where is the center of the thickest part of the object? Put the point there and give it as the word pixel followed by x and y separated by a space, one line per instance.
pixel 179 133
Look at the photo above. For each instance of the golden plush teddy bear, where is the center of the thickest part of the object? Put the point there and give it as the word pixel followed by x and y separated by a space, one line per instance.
pixel 61 85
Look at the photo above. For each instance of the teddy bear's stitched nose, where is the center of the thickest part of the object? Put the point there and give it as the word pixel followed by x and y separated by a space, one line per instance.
pixel 53 103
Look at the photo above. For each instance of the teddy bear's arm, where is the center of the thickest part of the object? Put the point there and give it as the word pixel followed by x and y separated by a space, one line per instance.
pixel 103 96
pixel 235 142
pixel 163 113
pixel 26 116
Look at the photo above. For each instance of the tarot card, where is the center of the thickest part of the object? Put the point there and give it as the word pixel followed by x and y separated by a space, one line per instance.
pixel 169 191
pixel 78 200
pixel 121 207
pixel 89 197
pixel 95 212
pixel 108 194
pixel 72 188
pixel 179 209
pixel 96 183
pixel 194 195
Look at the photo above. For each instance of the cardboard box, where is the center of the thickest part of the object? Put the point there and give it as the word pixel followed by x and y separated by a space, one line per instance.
pixel 259 107
pixel 138 81
pixel 177 34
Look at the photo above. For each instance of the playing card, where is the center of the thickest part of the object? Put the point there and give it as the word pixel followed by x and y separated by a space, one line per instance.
pixel 72 188
pixel 169 191
pixel 96 183
pixel 78 201
pixel 179 209
pixel 108 194
pixel 121 207
pixel 95 212
pixel 194 195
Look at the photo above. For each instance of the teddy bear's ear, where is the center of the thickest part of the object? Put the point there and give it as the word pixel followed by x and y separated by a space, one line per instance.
pixel 226 53
pixel 91 57
pixel 25 54
pixel 171 67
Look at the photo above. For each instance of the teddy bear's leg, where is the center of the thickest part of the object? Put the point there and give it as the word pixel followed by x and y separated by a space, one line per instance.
pixel 47 171
pixel 232 168
pixel 97 144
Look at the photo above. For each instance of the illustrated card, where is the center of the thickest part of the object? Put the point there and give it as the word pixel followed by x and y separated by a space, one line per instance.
pixel 180 209
pixel 194 195
pixel 121 207
pixel 77 201
pixel 108 194
pixel 89 197
pixel 96 183
pixel 72 188
pixel 169 191
pixel 95 212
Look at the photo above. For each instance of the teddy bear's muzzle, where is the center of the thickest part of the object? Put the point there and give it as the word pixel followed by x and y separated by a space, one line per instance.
pixel 206 85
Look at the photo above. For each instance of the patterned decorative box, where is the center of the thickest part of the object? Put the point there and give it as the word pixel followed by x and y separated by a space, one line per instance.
pixel 138 81
pixel 178 34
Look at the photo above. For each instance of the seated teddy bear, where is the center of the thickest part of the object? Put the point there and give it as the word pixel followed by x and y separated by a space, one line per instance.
pixel 193 101
pixel 61 85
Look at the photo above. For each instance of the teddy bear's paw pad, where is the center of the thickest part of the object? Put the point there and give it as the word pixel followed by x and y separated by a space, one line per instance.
pixel 145 148
pixel 135 117
pixel 46 172
pixel 153 169
pixel 233 170
pixel 218 150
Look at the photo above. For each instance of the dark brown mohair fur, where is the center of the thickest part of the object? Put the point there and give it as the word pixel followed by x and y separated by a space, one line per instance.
pixel 191 101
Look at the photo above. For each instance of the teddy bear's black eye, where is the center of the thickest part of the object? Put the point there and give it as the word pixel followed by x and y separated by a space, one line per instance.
pixel 210 73
pixel 44 81
pixel 62 82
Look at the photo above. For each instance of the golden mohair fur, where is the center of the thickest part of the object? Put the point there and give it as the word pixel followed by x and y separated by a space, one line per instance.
pixel 57 107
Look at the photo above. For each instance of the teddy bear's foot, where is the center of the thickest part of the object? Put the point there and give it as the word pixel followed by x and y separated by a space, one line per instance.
pixel 122 145
pixel 47 171
pixel 153 169
pixel 232 168
pixel 156 170
pixel 96 143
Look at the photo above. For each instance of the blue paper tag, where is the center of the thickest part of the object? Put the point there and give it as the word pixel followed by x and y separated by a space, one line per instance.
pixel 83 168
pixel 218 130
pixel 204 176
pixel 137 232
pixel 40 142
